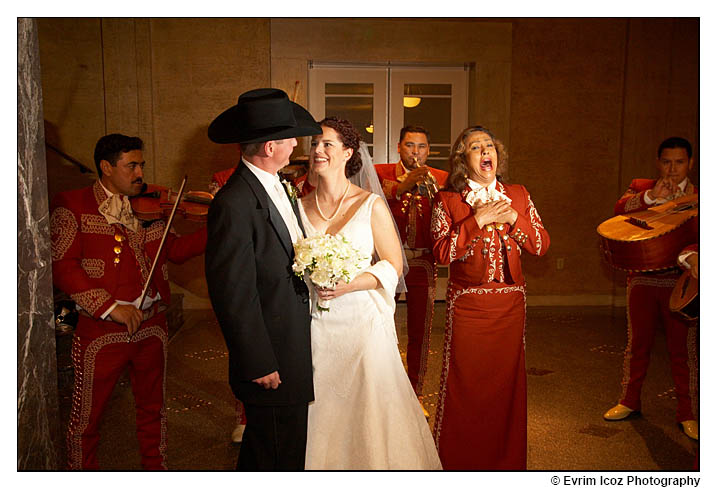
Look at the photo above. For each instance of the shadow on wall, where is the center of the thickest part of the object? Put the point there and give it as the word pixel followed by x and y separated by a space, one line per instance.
pixel 203 159
pixel 63 175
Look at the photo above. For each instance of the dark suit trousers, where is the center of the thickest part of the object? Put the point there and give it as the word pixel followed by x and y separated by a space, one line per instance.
pixel 275 438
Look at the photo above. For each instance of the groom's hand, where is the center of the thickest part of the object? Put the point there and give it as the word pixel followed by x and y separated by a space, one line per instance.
pixel 269 381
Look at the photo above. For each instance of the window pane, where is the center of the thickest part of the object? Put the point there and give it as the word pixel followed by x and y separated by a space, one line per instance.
pixel 356 110
pixel 349 88
pixel 427 89
pixel 434 115
pixel 439 157
pixel 437 151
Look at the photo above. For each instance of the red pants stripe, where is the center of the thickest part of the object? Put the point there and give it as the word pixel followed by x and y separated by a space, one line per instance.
pixel 648 298
pixel 420 295
pixel 100 354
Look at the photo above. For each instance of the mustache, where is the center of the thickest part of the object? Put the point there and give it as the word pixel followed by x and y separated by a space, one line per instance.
pixel 138 181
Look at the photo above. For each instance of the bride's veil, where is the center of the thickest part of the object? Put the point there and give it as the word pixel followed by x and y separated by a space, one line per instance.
pixel 367 179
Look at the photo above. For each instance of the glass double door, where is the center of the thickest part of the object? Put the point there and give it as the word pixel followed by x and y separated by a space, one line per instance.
pixel 380 100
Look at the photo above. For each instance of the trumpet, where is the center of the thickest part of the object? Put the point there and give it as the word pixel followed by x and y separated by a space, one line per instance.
pixel 428 183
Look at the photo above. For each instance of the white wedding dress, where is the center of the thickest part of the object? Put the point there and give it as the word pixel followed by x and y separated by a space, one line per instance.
pixel 365 414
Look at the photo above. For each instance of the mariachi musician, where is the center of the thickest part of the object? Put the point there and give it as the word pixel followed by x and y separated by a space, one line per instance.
pixel 409 186
pixel 102 255
pixel 648 295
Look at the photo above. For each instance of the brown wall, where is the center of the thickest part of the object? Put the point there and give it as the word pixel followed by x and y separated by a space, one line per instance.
pixel 581 103
pixel 590 102
pixel 485 44
pixel 565 124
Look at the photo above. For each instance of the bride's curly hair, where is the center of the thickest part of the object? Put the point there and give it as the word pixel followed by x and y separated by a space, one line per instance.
pixel 350 139
pixel 458 168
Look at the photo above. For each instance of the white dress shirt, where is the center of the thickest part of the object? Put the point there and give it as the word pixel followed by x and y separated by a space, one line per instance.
pixel 278 195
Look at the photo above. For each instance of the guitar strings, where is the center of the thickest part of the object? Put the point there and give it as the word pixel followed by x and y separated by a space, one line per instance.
pixel 675 210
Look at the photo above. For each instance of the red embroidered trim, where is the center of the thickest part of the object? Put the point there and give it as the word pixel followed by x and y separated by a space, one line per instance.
pixel 63 229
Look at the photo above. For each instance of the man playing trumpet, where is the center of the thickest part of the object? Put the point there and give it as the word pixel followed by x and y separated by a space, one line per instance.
pixel 410 186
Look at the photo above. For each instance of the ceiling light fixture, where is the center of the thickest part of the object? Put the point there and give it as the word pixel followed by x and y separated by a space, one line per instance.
pixel 412 101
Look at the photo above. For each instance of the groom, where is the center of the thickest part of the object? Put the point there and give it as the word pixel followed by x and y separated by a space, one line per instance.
pixel 261 306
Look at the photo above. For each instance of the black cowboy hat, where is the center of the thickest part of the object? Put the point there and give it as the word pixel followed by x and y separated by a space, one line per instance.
pixel 263 114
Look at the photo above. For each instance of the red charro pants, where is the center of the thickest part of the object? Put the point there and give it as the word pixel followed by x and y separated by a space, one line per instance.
pixel 421 286
pixel 648 298
pixel 239 413
pixel 100 354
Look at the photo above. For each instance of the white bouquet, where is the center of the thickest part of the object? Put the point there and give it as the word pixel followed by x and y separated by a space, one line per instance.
pixel 326 259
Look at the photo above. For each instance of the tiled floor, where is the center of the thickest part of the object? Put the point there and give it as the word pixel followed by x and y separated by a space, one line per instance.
pixel 574 363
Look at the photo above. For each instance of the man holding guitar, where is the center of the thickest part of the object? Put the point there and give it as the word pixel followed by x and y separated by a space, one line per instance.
pixel 649 292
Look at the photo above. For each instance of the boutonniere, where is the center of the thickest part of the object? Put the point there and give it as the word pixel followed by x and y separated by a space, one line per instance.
pixel 291 190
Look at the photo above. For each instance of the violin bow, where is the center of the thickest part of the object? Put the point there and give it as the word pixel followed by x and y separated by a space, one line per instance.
pixel 162 243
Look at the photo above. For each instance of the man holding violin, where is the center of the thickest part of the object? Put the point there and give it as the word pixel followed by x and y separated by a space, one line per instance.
pixel 102 255
pixel 649 293
pixel 405 186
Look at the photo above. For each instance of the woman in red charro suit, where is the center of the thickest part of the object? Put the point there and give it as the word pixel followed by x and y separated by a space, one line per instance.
pixel 480 226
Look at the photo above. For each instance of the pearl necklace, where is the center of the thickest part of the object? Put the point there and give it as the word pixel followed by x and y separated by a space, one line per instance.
pixel 316 201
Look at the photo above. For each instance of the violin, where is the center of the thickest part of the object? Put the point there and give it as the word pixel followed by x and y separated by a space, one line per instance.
pixel 155 202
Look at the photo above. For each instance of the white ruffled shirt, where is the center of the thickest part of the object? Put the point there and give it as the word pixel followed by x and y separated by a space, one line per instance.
pixel 148 301
pixel 484 194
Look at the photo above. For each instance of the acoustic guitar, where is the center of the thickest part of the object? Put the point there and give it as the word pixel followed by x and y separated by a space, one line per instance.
pixel 684 297
pixel 650 240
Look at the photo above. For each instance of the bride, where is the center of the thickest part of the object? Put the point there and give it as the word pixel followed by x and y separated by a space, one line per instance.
pixel 365 414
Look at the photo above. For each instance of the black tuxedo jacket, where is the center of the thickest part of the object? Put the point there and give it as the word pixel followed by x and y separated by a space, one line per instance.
pixel 261 306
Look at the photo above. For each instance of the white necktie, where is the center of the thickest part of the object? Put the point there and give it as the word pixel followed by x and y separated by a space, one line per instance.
pixel 285 209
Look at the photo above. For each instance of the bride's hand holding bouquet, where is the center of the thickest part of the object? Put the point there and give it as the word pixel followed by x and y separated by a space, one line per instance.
pixel 330 262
